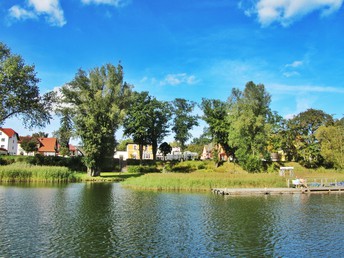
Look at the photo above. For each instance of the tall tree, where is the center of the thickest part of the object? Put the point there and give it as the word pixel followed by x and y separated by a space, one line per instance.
pixel 65 132
pixel 147 121
pixel 183 120
pixel 331 140
pixel 19 93
pixel 303 128
pixel 249 115
pixel 215 115
pixel 135 122
pixel 99 99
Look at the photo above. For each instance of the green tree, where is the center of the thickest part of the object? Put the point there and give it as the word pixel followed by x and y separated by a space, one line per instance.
pixel 303 128
pixel 19 93
pixel 331 140
pixel 165 149
pixel 197 144
pixel 248 116
pixel 29 144
pixel 183 120
pixel 40 135
pixel 147 121
pixel 99 100
pixel 215 115
pixel 122 145
pixel 65 132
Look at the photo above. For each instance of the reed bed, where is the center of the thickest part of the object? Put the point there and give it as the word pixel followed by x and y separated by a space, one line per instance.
pixel 22 172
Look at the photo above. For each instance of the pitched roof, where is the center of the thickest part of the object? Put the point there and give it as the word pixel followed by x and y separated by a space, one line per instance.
pixel 47 144
pixel 8 131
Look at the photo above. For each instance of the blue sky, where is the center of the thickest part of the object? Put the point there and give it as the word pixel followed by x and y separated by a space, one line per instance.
pixel 190 49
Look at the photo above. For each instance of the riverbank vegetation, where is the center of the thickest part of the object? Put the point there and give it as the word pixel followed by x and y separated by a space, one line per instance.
pixel 205 176
pixel 23 172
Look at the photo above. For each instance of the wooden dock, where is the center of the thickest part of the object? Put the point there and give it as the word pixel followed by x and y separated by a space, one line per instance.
pixel 268 191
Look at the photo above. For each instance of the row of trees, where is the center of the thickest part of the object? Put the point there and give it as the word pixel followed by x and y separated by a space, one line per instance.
pixel 249 131
pixel 95 104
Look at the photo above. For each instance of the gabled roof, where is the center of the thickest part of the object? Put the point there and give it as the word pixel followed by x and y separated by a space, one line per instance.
pixel 48 144
pixel 9 132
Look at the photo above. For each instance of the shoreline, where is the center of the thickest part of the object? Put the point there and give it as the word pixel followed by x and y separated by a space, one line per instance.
pixel 270 191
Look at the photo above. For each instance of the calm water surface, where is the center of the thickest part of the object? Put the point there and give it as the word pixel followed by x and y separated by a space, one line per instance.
pixel 106 220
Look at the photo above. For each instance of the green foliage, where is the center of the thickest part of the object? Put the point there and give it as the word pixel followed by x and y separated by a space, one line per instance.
pixel 99 100
pixel 215 115
pixel 183 120
pixel 65 132
pixel 249 128
pixel 142 169
pixel 165 148
pixel 19 93
pixel 302 129
pixel 122 145
pixel 147 121
pixel 29 144
pixel 331 140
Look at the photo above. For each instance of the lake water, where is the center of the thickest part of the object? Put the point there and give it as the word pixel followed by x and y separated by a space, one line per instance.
pixel 106 220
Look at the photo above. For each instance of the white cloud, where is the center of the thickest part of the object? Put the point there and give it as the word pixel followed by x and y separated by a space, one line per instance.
pixel 286 12
pixel 289 70
pixel 21 14
pixel 294 64
pixel 117 3
pixel 304 89
pixel 291 74
pixel 49 9
pixel 176 79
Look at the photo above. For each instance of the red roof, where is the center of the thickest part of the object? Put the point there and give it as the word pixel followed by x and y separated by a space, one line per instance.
pixel 8 131
pixel 48 144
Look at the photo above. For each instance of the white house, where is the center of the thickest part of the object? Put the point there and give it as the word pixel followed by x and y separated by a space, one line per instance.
pixel 9 140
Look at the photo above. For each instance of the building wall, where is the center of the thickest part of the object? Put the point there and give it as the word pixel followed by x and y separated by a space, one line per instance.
pixel 9 143
pixel 134 153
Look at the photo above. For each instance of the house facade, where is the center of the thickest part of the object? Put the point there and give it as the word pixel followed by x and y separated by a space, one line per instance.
pixel 48 146
pixel 208 152
pixel 133 151
pixel 9 140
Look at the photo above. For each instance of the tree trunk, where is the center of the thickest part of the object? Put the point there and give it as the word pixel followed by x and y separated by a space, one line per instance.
pixel 140 153
pixel 92 171
pixel 154 150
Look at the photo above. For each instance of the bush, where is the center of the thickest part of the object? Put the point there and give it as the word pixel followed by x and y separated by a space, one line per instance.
pixel 252 164
pixel 142 169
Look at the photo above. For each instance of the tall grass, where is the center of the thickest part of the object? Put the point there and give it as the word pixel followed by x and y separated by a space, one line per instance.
pixel 22 172
pixel 204 181
pixel 229 175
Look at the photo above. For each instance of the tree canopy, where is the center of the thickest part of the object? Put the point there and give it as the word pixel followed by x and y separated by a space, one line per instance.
pixel 19 92
pixel 99 99
pixel 147 121
pixel 183 120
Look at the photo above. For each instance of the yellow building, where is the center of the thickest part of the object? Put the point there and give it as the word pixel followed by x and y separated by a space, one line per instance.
pixel 134 152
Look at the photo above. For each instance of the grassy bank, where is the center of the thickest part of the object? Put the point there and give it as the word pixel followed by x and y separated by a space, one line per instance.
pixel 226 176
pixel 203 181
pixel 22 172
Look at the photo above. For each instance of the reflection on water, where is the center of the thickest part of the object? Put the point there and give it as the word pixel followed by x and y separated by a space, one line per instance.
pixel 104 219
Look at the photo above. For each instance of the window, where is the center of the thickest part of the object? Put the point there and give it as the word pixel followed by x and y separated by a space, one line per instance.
pixel 2 139
pixel 2 146
pixel 134 146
